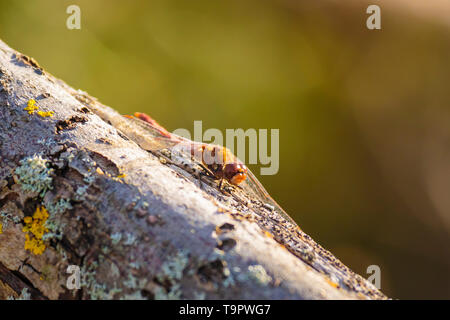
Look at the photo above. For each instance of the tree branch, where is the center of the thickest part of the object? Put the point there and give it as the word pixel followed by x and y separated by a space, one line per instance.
pixel 137 226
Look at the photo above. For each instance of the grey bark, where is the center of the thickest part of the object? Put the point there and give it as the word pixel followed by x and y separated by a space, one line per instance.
pixel 138 227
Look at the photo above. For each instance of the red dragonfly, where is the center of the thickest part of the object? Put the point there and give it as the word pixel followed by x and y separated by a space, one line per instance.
pixel 218 162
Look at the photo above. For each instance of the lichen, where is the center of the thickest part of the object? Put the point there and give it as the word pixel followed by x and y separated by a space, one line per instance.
pixel 6 218
pixel 96 290
pixel 34 230
pixel 173 294
pixel 53 222
pixel 59 207
pixel 131 239
pixel 172 271
pixel 134 283
pixel 32 108
pixel 116 237
pixel 173 268
pixel 24 295
pixel 259 274
pixel 80 194
pixel 136 295
pixel 34 175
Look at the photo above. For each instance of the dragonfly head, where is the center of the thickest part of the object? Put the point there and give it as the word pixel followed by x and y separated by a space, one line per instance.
pixel 235 173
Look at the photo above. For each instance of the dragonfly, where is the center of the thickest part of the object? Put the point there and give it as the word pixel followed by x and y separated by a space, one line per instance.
pixel 217 162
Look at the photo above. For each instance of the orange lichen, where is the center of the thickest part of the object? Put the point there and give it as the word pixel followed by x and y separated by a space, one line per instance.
pixel 45 113
pixel 35 230
pixel 32 107
pixel 332 283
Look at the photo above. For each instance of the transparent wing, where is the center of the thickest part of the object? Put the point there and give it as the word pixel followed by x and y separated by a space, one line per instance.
pixel 255 189
pixel 150 138
pixel 147 136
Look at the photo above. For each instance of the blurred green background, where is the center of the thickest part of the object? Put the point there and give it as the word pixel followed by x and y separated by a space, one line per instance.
pixel 364 115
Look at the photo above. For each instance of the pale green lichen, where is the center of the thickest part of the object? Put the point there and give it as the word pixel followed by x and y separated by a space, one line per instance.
pixel 172 271
pixel 173 294
pixel 6 218
pixel 53 223
pixel 259 274
pixel 80 194
pixel 173 268
pixel 34 175
pixel 134 283
pixel 58 207
pixel 106 250
pixel 24 295
pixel 135 265
pixel 89 178
pixel 96 290
pixel 137 295
pixel 130 240
pixel 199 295
pixel 116 237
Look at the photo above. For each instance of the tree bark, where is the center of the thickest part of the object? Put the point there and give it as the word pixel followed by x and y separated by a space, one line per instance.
pixel 136 226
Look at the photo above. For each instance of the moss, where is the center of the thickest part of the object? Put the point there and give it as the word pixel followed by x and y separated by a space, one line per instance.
pixel 34 175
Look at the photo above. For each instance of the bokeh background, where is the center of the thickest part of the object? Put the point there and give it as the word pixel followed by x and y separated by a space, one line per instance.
pixel 364 115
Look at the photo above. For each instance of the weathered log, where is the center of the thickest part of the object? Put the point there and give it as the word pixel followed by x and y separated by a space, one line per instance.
pixel 137 227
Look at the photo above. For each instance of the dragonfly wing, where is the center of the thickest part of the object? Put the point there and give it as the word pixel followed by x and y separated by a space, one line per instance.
pixel 145 135
pixel 255 189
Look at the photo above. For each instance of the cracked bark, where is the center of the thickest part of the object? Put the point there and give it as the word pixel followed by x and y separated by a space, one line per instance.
pixel 137 227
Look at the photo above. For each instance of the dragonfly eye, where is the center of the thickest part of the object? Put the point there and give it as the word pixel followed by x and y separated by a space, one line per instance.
pixel 235 173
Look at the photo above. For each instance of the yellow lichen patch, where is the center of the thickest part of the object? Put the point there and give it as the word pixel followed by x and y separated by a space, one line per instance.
pixel 35 230
pixel 32 107
pixel 268 234
pixel 1 228
pixel 45 113
pixel 123 175
pixel 332 283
